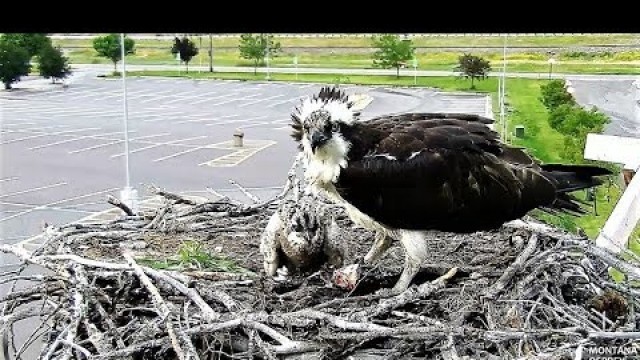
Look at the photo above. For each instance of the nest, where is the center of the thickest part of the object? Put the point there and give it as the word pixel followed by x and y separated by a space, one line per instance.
pixel 524 291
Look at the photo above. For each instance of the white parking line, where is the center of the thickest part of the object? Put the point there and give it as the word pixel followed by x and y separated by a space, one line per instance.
pixel 254 125
pixel 102 202
pixel 224 102
pixel 182 96
pixel 19 124
pixel 164 115
pixel 235 93
pixel 238 121
pixel 102 95
pixel 182 153
pixel 76 139
pixel 78 111
pixel 33 189
pixel 49 134
pixel 39 206
pixel 116 142
pixel 283 101
pixel 158 145
pixel 9 179
pixel 163 95
pixel 261 100
pixel 46 206
pixel 36 130
pixel 210 118
pixel 206 94
pixel 238 156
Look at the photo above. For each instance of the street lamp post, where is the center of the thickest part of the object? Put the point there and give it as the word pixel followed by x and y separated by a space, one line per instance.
pixel 210 53
pixel 267 61
pixel 128 195
pixel 551 61
pixel 415 71
pixel 501 91
pixel 200 53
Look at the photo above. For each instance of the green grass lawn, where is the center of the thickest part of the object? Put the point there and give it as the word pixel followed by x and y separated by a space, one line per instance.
pixel 309 54
pixel 432 61
pixel 441 40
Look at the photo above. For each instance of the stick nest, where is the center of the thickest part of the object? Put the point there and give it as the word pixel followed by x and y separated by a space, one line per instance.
pixel 524 291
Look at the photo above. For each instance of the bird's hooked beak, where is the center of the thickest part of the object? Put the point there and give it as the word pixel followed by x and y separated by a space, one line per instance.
pixel 318 138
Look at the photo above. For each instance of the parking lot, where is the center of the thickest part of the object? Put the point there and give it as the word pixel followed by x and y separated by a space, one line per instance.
pixel 616 99
pixel 63 149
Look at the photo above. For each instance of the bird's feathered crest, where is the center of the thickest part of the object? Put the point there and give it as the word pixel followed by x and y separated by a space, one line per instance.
pixel 335 101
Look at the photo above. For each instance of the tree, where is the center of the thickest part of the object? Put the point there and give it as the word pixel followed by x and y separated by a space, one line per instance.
pixel 554 93
pixel 473 67
pixel 574 120
pixel 14 62
pixel 392 52
pixel 257 47
pixel 575 123
pixel 186 48
pixel 32 42
pixel 109 46
pixel 53 64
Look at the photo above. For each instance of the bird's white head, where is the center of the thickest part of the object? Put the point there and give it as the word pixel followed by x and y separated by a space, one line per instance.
pixel 320 126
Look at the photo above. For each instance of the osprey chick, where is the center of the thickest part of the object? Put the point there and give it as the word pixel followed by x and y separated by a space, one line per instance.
pixel 406 175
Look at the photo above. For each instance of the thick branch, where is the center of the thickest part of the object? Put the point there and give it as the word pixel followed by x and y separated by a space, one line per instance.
pixel 514 268
pixel 119 204
pixel 159 302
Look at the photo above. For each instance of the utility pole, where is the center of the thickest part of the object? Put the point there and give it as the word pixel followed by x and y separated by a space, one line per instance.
pixel 200 53
pixel 267 61
pixel 503 119
pixel 128 195
pixel 210 53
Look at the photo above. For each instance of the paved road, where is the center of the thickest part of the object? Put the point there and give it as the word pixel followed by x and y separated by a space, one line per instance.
pixel 615 98
pixel 403 72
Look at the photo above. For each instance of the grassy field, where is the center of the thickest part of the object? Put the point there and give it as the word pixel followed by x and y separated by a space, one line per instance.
pixel 524 109
pixel 434 61
pixel 443 40
pixel 225 53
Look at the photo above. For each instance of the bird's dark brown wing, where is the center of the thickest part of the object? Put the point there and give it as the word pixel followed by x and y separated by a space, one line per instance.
pixel 439 172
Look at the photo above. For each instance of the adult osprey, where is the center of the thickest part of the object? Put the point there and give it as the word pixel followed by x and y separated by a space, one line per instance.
pixel 405 175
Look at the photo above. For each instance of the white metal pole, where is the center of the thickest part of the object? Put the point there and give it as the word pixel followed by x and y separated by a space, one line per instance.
pixel 268 50
pixel 268 75
pixel 636 100
pixel 200 52
pixel 125 109
pixel 500 105
pixel 502 92
pixel 128 195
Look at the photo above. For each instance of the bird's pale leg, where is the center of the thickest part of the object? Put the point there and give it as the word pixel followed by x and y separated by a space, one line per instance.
pixel 333 245
pixel 415 245
pixel 381 243
pixel 270 244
